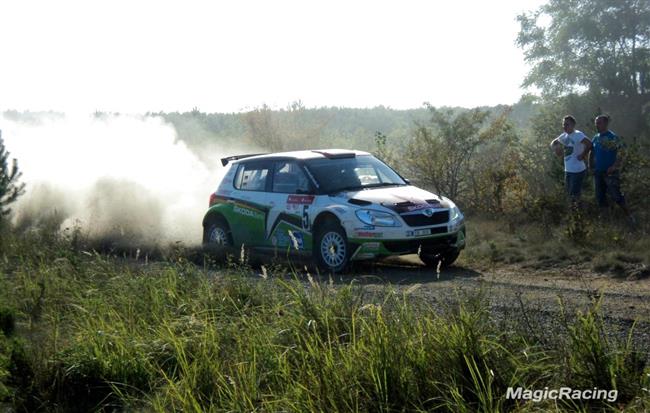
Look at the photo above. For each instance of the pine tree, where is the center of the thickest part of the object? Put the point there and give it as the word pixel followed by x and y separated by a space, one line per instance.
pixel 10 188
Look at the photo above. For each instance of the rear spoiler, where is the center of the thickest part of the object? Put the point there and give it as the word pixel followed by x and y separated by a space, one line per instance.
pixel 224 161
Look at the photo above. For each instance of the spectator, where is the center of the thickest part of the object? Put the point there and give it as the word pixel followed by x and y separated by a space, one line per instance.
pixel 606 159
pixel 573 146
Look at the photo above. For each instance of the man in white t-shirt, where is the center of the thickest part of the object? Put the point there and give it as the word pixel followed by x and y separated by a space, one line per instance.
pixel 573 146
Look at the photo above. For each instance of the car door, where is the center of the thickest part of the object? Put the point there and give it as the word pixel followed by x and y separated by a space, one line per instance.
pixel 251 202
pixel 287 227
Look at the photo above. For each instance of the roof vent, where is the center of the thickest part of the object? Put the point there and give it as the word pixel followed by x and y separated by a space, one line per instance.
pixel 336 153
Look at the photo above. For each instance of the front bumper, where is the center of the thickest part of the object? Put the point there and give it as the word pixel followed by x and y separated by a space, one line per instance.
pixel 369 248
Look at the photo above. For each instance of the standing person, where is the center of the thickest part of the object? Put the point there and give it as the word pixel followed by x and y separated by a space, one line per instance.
pixel 573 146
pixel 607 163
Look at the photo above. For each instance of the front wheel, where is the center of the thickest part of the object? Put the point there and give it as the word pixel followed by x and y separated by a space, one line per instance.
pixel 331 249
pixel 445 259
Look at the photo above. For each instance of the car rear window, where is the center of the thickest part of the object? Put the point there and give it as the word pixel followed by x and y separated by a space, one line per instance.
pixel 252 176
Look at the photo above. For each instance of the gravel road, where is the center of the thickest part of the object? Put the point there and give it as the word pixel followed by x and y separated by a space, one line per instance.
pixel 516 294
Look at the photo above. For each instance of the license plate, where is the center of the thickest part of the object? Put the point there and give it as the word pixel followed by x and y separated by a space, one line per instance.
pixel 422 232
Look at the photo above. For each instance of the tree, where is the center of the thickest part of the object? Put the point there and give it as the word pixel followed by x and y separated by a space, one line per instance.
pixel 600 46
pixel 440 152
pixel 493 172
pixel 293 128
pixel 382 150
pixel 263 129
pixel 10 188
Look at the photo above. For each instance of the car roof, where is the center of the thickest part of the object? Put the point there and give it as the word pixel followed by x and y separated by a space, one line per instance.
pixel 307 154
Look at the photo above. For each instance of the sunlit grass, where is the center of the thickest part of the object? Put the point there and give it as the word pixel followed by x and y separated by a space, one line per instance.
pixel 607 246
pixel 97 332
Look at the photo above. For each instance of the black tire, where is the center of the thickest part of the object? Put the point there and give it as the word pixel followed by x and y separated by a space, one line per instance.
pixel 217 237
pixel 331 249
pixel 445 259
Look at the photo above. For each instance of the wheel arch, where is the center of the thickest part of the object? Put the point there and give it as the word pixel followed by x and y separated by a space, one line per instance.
pixel 216 217
pixel 323 217
pixel 213 216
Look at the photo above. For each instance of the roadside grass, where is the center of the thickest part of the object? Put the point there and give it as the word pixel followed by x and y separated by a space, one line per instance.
pixel 83 331
pixel 607 246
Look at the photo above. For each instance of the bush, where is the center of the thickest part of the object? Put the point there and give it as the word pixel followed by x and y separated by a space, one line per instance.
pixel 595 360
pixel 7 320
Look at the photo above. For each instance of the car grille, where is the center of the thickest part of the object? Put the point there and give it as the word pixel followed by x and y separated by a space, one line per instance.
pixel 420 220
pixel 427 245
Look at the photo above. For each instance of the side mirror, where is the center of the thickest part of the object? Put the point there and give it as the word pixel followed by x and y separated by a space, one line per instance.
pixel 408 181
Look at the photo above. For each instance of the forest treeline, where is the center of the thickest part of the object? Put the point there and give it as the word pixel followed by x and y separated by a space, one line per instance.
pixel 490 159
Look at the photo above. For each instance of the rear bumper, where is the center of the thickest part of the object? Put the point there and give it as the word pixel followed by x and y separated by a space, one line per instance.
pixel 374 248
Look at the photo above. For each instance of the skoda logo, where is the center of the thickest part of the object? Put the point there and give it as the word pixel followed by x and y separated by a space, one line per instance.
pixel 427 212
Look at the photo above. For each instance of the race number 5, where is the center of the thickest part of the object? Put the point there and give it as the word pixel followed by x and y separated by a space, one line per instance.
pixel 305 217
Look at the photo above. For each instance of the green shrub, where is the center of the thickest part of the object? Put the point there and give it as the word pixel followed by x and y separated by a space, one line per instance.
pixel 7 320
pixel 596 360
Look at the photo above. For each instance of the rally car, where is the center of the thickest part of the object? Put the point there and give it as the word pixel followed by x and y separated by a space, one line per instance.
pixel 335 206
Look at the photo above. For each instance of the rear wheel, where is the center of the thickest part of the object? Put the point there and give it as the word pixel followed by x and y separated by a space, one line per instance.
pixel 331 249
pixel 217 237
pixel 445 259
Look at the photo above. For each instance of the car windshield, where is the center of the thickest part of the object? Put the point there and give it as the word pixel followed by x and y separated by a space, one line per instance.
pixel 354 173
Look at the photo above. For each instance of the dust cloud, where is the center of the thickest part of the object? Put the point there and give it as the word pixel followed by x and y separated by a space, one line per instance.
pixel 112 177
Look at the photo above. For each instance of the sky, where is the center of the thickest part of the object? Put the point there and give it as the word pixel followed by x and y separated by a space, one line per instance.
pixel 139 56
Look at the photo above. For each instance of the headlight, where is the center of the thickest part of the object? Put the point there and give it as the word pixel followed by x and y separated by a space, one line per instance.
pixel 456 218
pixel 377 218
pixel 454 213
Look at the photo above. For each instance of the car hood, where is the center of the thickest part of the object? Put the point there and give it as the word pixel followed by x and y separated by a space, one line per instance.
pixel 399 198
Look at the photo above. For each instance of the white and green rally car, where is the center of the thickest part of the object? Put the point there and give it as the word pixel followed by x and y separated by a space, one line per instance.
pixel 333 205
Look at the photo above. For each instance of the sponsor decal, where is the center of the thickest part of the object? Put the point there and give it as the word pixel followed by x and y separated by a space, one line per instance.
pixel 247 212
pixel 371 246
pixel 297 241
pixel 365 256
pixel 289 238
pixel 300 204
pixel 300 199
pixel 368 234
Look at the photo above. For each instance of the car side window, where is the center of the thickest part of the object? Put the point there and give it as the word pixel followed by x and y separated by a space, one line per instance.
pixel 252 176
pixel 289 178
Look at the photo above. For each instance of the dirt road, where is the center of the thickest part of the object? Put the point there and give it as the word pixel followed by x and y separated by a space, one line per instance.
pixel 620 298
pixel 536 298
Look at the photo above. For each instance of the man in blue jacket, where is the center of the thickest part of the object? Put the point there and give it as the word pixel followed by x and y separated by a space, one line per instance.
pixel 606 160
